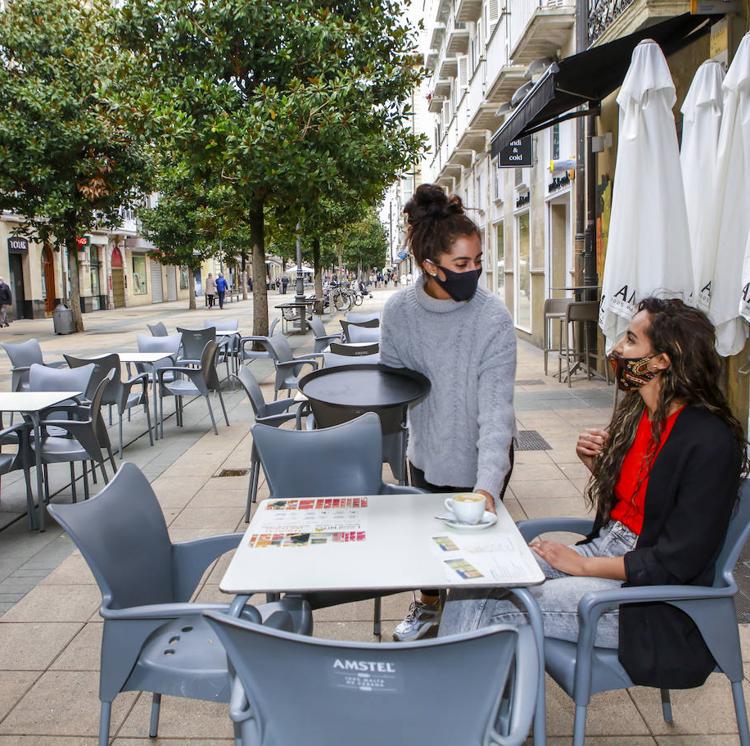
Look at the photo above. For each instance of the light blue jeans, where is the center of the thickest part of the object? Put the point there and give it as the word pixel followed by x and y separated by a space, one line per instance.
pixel 557 597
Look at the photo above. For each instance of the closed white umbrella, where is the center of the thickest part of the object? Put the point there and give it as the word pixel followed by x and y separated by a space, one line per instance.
pixel 648 252
pixel 701 112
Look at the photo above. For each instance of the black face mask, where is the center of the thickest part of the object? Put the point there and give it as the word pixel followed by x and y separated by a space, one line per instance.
pixel 461 286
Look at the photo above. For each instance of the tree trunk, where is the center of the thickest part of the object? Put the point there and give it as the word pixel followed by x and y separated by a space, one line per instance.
pixel 243 275
pixel 71 244
pixel 260 293
pixel 191 285
pixel 318 269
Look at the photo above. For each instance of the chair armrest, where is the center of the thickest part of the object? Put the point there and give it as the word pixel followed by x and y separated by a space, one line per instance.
pixel 400 489
pixel 328 337
pixel 56 364
pixel 20 368
pixel 191 558
pixel 71 426
pixel 15 430
pixel 244 340
pixel 281 405
pixel 141 377
pixel 292 364
pixel 274 420
pixel 309 356
pixel 533 528
pixel 160 611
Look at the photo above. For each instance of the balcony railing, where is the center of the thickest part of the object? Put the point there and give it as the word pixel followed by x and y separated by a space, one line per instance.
pixel 602 13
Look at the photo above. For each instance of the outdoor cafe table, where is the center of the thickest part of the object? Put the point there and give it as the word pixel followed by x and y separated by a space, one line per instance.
pixel 31 404
pixel 147 358
pixel 381 543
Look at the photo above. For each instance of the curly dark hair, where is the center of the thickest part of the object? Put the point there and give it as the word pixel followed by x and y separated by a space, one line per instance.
pixel 435 221
pixel 687 336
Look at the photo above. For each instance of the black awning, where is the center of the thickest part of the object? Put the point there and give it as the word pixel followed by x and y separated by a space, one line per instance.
pixel 590 76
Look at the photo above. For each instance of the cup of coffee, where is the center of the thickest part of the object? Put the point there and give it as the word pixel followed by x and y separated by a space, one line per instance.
pixel 467 507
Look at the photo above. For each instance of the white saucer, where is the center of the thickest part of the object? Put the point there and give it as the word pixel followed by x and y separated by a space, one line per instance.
pixel 488 519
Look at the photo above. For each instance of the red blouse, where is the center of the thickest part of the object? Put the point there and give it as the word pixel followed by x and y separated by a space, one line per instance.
pixel 630 490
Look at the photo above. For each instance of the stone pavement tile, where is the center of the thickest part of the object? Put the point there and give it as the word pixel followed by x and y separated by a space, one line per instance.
pixel 33 646
pixel 553 489
pixel 63 703
pixel 745 645
pixel 532 457
pixel 355 631
pixel 609 714
pixel 82 654
pixel 394 608
pixel 517 513
pixel 220 567
pixel 72 571
pixel 210 594
pixel 180 718
pixel 531 472
pixel 575 471
pixel 219 519
pixel 217 484
pixel 46 741
pixel 601 741
pixel 175 492
pixel 698 740
pixel 188 534
pixel 540 507
pixel 13 685
pixel 47 604
pixel 216 497
pixel 565 455
pixel 705 710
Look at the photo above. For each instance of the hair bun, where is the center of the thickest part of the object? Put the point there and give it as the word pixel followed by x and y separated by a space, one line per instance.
pixel 431 202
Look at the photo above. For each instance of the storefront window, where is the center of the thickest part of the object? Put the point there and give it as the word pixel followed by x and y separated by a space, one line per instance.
pixel 139 275
pixel 184 278
pixel 500 236
pixel 94 275
pixel 523 273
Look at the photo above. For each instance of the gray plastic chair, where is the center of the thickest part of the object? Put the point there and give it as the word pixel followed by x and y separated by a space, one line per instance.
pixel 81 441
pixel 158 329
pixel 192 381
pixel 274 414
pixel 329 462
pixel 334 357
pixel 322 337
pixel 171 344
pixel 228 342
pixel 369 329
pixel 155 640
pixel 194 342
pixel 22 356
pixel 582 669
pixel 353 351
pixel 288 367
pixel 360 318
pixel 246 351
pixel 478 688
pixel 118 392
pixel 18 436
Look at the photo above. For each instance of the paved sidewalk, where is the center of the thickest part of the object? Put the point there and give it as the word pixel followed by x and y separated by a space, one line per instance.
pixel 49 639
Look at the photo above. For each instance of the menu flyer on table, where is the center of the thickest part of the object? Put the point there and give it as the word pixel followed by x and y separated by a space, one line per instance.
pixel 479 557
pixel 306 522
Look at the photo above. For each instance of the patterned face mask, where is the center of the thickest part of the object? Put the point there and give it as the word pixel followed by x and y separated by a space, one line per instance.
pixel 631 372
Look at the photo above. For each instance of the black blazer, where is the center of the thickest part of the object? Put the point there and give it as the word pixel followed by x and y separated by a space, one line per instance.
pixel 691 492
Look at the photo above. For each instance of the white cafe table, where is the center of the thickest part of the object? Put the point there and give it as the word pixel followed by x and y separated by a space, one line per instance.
pixel 381 543
pixel 31 404
pixel 150 359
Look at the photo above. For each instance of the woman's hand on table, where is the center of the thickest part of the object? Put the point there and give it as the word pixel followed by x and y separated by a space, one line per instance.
pixel 590 445
pixel 559 556
pixel 489 501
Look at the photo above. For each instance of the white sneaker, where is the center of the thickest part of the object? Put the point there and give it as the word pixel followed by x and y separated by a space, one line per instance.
pixel 418 622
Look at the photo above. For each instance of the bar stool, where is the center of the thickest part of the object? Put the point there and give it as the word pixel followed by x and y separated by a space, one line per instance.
pixel 581 313
pixel 555 309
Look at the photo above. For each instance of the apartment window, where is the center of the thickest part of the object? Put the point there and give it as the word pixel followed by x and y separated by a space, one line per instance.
pixel 555 142
pixel 480 192
pixel 497 181
pixel 500 254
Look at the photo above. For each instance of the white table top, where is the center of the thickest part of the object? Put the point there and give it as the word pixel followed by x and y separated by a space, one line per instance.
pixel 388 542
pixel 143 357
pixel 33 401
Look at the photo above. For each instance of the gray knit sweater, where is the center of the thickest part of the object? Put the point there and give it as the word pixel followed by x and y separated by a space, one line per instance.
pixel 460 433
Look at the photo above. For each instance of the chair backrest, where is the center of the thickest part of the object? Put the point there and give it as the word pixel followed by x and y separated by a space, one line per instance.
pixel 158 329
pixel 123 537
pixel 227 325
pixel 96 438
pixel 348 325
pixel 171 344
pixel 273 326
pixel 42 378
pixel 252 389
pixel 355 351
pixel 737 535
pixel 361 334
pixel 317 326
pixel 330 360
pixel 24 354
pixel 359 318
pixel 556 305
pixel 208 364
pixel 194 341
pixel 280 349
pixel 105 366
pixel 374 693
pixel 584 310
pixel 342 460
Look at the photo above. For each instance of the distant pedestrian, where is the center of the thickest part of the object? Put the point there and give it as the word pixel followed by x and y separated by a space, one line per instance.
pixel 210 290
pixel 284 284
pixel 221 289
pixel 249 284
pixel 6 300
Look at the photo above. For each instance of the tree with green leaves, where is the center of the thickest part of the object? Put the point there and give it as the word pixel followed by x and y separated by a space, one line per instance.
pixel 70 155
pixel 282 101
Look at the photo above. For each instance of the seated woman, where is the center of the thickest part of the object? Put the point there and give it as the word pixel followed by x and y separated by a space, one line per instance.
pixel 664 480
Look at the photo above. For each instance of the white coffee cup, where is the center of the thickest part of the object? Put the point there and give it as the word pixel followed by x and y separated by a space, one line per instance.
pixel 467 507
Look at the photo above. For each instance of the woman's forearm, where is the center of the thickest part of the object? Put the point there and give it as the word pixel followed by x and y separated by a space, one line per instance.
pixel 612 568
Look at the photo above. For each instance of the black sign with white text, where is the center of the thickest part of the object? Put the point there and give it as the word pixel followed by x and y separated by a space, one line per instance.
pixel 18 245
pixel 517 154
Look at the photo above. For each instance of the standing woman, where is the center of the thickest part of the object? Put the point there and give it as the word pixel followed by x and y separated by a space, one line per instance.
pixel 461 337
pixel 210 290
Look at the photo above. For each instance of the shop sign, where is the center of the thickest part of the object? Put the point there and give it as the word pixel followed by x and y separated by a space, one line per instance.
pixel 18 245
pixel 517 154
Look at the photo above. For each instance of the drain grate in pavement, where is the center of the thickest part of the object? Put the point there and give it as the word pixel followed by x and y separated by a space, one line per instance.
pixel 529 382
pixel 233 472
pixel 530 440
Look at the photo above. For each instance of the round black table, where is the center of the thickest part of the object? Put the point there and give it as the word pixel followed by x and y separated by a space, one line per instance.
pixel 344 392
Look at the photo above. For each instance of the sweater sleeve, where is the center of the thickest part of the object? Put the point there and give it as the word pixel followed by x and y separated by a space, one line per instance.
pixel 695 528
pixel 497 373
pixel 389 354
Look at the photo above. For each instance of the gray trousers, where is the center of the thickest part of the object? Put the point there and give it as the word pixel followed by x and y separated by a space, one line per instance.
pixel 4 313
pixel 557 597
